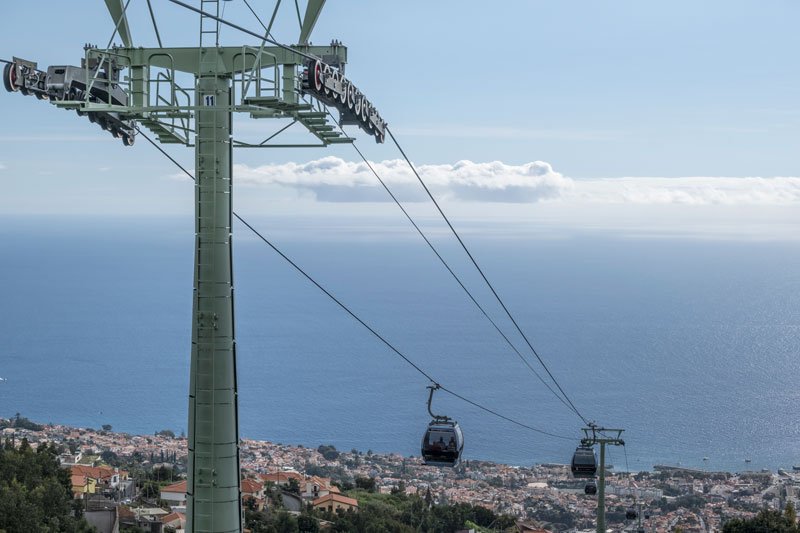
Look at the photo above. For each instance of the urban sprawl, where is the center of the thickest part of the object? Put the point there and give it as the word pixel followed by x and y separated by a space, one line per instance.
pixel 542 497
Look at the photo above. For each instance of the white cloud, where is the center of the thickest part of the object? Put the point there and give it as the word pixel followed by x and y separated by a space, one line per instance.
pixel 332 179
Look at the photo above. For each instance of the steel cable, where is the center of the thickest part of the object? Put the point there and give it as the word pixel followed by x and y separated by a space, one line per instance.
pixel 485 279
pixel 354 315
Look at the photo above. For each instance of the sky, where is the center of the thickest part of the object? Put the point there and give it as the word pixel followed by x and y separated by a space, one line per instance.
pixel 663 118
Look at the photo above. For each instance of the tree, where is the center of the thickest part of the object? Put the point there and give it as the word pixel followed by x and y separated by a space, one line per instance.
pixel 790 513
pixel 400 488
pixel 150 490
pixel 166 433
pixel 35 492
pixel 293 486
pixel 307 524
pixel 162 473
pixel 766 520
pixel 328 451
pixel 366 483
pixel 106 427
pixel 110 458
pixel 285 523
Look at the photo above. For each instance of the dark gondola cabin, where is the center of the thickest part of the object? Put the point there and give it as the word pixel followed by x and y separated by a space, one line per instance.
pixel 631 514
pixel 442 443
pixel 590 488
pixel 584 462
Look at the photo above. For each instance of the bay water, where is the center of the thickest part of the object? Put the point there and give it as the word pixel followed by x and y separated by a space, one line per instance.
pixel 690 345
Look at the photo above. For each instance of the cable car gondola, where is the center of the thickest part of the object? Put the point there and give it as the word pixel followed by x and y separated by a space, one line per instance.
pixel 584 462
pixel 631 514
pixel 443 441
pixel 590 488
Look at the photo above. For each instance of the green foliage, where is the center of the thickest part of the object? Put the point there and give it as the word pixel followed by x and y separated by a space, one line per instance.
pixel 378 513
pixel 366 483
pixel 18 421
pixel 166 433
pixel 328 451
pixel 110 458
pixel 285 523
pixel 35 492
pixel 790 513
pixel 293 486
pixel 106 427
pixel 400 488
pixel 307 524
pixel 766 520
pixel 162 473
pixel 335 472
pixel 150 490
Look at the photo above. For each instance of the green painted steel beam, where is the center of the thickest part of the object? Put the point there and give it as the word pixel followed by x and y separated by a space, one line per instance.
pixel 117 12
pixel 313 9
pixel 229 59
pixel 213 493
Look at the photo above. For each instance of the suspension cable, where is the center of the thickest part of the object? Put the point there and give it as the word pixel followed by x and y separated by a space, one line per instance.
pixel 155 26
pixel 253 11
pixel 455 276
pixel 353 315
pixel 268 39
pixel 480 271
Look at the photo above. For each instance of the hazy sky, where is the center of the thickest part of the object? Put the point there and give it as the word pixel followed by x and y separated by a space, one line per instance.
pixel 592 113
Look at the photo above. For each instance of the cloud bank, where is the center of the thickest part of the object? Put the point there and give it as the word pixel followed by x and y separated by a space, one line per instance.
pixel 332 179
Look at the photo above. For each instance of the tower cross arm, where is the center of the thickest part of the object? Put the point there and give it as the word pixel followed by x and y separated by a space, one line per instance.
pixel 230 60
pixel 594 435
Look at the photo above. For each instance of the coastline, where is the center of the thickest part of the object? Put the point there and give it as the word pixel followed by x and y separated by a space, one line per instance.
pixel 535 492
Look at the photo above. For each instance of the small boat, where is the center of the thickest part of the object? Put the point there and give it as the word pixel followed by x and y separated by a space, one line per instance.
pixel 747 460
pixel 705 458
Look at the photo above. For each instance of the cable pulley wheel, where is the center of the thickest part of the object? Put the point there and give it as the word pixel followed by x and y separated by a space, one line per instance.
pixel 9 77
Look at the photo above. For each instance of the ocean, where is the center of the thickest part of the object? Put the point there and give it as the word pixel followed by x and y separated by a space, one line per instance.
pixel 690 345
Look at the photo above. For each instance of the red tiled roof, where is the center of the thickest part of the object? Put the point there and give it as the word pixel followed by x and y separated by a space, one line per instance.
pixel 96 472
pixel 336 498
pixel 251 486
pixel 321 482
pixel 171 517
pixel 175 487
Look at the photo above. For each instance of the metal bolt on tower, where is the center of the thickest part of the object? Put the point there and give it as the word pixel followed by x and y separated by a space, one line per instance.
pixel 297 83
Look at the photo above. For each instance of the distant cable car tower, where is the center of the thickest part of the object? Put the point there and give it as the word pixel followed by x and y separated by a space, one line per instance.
pixel 298 83
pixel 582 465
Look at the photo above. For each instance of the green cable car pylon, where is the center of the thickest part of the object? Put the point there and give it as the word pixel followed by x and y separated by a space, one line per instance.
pixel 602 436
pixel 297 83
